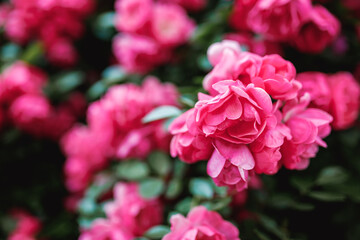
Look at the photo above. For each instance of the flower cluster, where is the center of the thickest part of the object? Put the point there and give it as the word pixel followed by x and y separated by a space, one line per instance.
pixel 23 103
pixel 253 121
pixel 149 32
pixel 56 23
pixel 27 226
pixel 201 224
pixel 338 94
pixel 128 215
pixel 115 130
pixel 309 28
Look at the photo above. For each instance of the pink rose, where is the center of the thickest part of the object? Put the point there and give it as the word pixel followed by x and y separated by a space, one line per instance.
pixel 29 112
pixel 266 149
pixel 170 25
pixel 133 16
pixel 238 18
pixel 27 226
pixel 230 165
pixel 186 144
pixel 277 78
pixel 338 94
pixel 318 31
pixel 308 126
pixel 78 173
pixel 62 53
pixel 201 224
pixel 278 19
pixel 103 229
pixel 133 212
pixel 237 114
pixel 21 78
pixel 316 84
pixel 345 99
pixel 138 54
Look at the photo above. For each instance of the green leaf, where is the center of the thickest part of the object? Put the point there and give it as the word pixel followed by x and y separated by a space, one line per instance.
pixel 113 74
pixel 67 82
pixel 261 235
pixel 151 187
pixel 162 112
pixel 179 168
pixel 85 223
pixel 332 175
pixel 160 162
pixel 283 201
pixel 132 170
pixel 33 52
pixel 9 52
pixel 327 196
pixel 302 183
pixel 174 188
pixel 271 226
pixel 201 187
pixel 96 90
pixel 157 232
pixel 87 206
pixel 184 206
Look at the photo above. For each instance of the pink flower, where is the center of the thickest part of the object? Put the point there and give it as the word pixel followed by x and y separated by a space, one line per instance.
pixel 133 16
pixel 62 53
pixel 138 54
pixel 133 212
pixel 186 144
pixel 201 224
pixel 103 229
pixel 27 226
pixel 278 19
pixel 237 114
pixel 170 25
pixel 308 126
pixel 5 9
pixel 238 18
pixel 338 94
pixel 345 99
pixel 20 78
pixel 318 31
pixel 277 78
pixel 230 165
pixel 29 112
pixel 78 173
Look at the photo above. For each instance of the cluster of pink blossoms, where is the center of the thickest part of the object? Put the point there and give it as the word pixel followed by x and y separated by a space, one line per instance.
pixel 309 28
pixel 115 130
pixel 254 119
pixel 23 104
pixel 27 226
pixel 150 31
pixel 56 23
pixel 201 224
pixel 338 94
pixel 128 216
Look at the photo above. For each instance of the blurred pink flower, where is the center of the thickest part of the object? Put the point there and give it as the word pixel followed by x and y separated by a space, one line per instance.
pixel 103 229
pixel 133 212
pixel 318 31
pixel 201 224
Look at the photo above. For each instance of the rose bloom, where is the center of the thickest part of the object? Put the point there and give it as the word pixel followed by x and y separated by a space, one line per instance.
pixel 237 115
pixel 308 127
pixel 191 5
pixel 338 94
pixel 27 226
pixel 171 25
pixel 316 33
pixel 132 211
pixel 103 229
pixel 271 72
pixel 133 16
pixel 201 224
pixel 188 143
pixel 139 54
pixel 238 18
pixel 20 78
pixel 278 20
